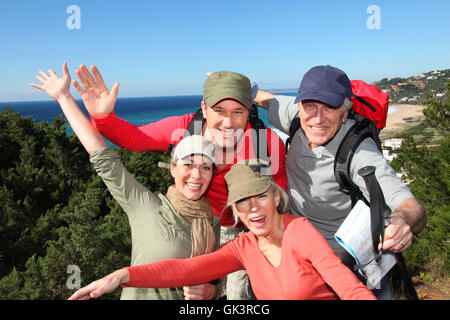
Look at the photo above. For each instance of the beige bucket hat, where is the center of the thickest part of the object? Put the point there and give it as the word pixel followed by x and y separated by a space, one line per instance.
pixel 244 182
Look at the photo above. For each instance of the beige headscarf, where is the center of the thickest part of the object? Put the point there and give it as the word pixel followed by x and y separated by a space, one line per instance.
pixel 200 216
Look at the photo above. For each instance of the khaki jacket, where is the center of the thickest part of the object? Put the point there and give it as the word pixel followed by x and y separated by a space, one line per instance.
pixel 158 231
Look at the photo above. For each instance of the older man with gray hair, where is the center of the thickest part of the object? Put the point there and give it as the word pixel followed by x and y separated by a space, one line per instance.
pixel 323 104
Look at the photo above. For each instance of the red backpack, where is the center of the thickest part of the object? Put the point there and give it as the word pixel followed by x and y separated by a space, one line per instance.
pixel 370 102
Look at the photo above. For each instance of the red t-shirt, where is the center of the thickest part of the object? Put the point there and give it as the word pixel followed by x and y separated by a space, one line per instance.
pixel 157 136
pixel 309 268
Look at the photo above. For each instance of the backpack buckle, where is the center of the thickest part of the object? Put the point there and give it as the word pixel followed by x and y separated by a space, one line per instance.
pixel 343 190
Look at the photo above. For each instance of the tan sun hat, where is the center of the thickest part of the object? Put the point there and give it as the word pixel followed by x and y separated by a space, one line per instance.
pixel 244 182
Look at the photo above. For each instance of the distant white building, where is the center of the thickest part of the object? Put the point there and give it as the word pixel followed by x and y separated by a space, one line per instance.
pixel 388 155
pixel 393 143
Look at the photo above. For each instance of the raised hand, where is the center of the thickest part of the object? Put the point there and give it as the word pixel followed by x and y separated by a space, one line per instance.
pixel 98 100
pixel 55 86
pixel 58 89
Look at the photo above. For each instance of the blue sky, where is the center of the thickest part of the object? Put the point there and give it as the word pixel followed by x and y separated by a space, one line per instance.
pixel 166 47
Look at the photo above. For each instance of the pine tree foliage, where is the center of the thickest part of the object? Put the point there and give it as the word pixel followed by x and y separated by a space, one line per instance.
pixel 56 212
pixel 438 114
pixel 427 170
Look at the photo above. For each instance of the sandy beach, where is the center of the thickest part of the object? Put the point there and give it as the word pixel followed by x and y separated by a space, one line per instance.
pixel 407 115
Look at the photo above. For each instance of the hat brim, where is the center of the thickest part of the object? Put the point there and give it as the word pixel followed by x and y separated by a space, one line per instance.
pixel 246 190
pixel 329 98
pixel 213 100
pixel 213 161
pixel 191 145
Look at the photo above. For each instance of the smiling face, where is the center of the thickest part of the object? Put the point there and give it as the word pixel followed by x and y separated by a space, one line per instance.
pixel 225 122
pixel 259 213
pixel 320 122
pixel 192 176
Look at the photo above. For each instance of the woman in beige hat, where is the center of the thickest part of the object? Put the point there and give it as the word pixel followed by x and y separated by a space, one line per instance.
pixel 285 256
pixel 179 224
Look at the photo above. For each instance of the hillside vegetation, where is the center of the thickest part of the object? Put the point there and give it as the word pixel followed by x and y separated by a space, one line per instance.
pixel 416 89
pixel 427 168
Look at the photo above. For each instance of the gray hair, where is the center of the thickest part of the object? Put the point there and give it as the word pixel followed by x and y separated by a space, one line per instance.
pixel 347 104
pixel 281 208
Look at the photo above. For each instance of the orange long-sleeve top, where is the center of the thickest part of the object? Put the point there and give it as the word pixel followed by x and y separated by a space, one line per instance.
pixel 309 268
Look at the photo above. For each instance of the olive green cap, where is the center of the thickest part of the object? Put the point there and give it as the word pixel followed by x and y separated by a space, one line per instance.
pixel 227 85
pixel 243 182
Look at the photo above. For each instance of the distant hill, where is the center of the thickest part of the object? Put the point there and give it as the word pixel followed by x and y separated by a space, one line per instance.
pixel 414 90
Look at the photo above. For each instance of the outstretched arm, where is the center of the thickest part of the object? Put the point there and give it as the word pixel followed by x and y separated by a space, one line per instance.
pixel 168 273
pixel 263 99
pixel 58 88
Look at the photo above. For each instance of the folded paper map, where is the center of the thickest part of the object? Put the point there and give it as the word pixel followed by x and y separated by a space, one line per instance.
pixel 355 236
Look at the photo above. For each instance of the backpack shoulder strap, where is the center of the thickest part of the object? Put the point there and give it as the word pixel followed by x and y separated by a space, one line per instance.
pixel 295 125
pixel 259 135
pixel 195 126
pixel 361 130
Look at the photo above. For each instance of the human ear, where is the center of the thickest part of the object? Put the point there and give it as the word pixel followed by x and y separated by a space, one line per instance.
pixel 277 198
pixel 344 118
pixel 203 109
pixel 172 169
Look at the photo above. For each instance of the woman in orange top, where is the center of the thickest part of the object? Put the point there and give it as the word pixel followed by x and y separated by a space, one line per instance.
pixel 285 256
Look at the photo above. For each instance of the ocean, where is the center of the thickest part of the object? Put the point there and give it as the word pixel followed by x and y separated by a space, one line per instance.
pixel 138 111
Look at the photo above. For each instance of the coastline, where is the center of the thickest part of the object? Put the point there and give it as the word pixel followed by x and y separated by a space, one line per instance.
pixel 406 116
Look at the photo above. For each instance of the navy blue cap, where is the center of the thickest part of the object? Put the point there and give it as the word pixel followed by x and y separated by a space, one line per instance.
pixel 326 84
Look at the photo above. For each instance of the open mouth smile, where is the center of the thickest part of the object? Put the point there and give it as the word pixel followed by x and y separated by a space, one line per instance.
pixel 258 221
pixel 227 132
pixel 193 186
pixel 316 128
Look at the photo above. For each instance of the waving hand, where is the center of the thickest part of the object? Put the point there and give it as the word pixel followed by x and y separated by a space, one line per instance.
pixel 55 86
pixel 98 100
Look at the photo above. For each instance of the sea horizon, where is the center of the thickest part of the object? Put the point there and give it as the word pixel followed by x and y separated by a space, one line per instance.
pixel 286 91
pixel 136 110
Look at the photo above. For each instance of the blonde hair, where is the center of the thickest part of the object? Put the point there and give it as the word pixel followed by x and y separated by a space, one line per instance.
pixel 281 208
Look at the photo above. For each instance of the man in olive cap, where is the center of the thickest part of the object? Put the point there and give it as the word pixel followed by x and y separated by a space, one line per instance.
pixel 227 99
pixel 323 103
